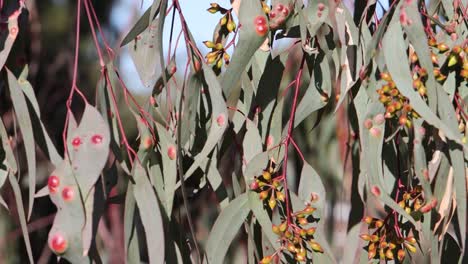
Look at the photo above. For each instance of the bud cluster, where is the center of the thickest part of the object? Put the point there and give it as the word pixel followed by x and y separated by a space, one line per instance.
pixel 385 242
pixel 455 59
pixel 390 237
pixel 296 231
pixel 218 55
pixel 396 105
pixel 269 187
pixel 297 237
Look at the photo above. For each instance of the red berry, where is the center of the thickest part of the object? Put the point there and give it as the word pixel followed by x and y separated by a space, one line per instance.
pixel 260 20
pixel 13 32
pixel 220 120
pixel 375 190
pixel 285 12
pixel 269 141
pixel 147 142
pixel 53 183
pixel 76 142
pixel 261 30
pixel 279 7
pixel 173 70
pixel 321 6
pixel 254 185
pixel 96 139
pixel 272 14
pixel 58 243
pixel 171 152
pixel 68 193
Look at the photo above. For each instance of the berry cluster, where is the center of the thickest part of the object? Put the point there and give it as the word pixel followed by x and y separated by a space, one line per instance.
pixel 218 55
pixel 392 238
pixel 455 59
pixel 297 237
pixel 386 240
pixel 295 231
pixel 226 21
pixel 396 105
pixel 413 201
pixel 261 26
pixel 279 14
pixel 269 188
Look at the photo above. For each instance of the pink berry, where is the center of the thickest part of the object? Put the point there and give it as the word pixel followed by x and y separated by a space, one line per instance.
pixel 368 123
pixel 96 139
pixel 76 142
pixel 254 185
pixel 379 119
pixel 220 120
pixel 260 20
pixel 279 7
pixel 269 141
pixel 285 12
pixel 321 6
pixel 58 243
pixel 68 193
pixel 53 183
pixel 375 131
pixel 261 30
pixel 375 190
pixel 171 152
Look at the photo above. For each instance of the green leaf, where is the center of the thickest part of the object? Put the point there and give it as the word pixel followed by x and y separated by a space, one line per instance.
pixel 10 38
pixel 219 113
pixel 226 228
pixel 353 249
pixel 249 41
pixel 256 205
pixel 169 167
pixel 311 183
pixel 9 156
pixel 144 47
pixel 138 28
pixel 252 144
pixel 19 204
pixel 28 90
pixel 90 156
pixel 24 120
pixel 150 214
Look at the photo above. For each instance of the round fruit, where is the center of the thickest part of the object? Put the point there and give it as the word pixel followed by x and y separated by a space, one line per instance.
pixel 96 139
pixel 53 183
pixel 68 193
pixel 58 243
pixel 171 152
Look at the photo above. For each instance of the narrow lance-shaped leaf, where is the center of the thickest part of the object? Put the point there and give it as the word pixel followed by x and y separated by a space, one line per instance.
pixel 24 120
pixel 150 214
pixel 19 204
pixel 219 119
pixel 225 229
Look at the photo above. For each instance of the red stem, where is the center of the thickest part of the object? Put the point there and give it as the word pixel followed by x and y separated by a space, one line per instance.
pixel 289 139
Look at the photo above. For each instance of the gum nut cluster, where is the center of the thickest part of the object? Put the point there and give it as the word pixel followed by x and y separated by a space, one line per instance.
pixel 385 243
pixel 396 105
pixel 269 188
pixel 226 21
pixel 297 237
pixel 218 54
pixel 278 15
pixel 454 59
pixel 261 27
